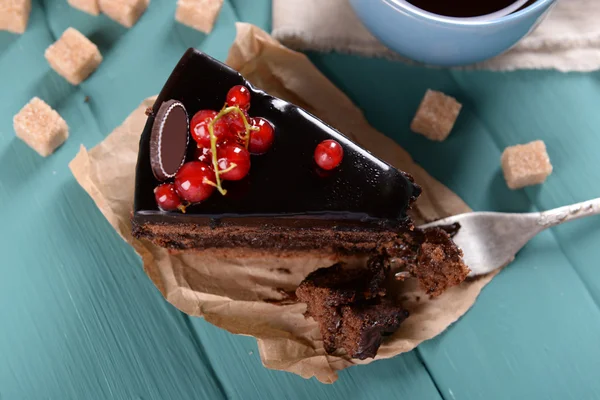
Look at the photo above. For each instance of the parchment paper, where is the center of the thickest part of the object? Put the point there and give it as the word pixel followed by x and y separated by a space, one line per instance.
pixel 234 294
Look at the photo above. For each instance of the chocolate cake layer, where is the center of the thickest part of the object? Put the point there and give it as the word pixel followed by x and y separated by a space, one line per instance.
pixel 360 203
pixel 325 238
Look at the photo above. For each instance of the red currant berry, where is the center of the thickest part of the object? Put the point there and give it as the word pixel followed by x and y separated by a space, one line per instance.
pixel 230 155
pixel 262 139
pixel 329 154
pixel 192 181
pixel 228 141
pixel 236 125
pixel 203 154
pixel 199 127
pixel 239 96
pixel 221 130
pixel 166 197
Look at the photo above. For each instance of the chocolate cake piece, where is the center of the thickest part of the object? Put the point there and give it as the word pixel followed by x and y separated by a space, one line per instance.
pixel 364 325
pixel 430 256
pixel 285 203
pixel 340 284
pixel 328 317
pixel 349 306
pixel 326 290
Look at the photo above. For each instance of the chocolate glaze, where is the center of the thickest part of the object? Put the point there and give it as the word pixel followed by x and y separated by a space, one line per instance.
pixel 284 187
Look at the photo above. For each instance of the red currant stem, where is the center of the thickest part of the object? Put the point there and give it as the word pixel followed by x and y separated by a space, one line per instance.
pixel 211 183
pixel 182 207
pixel 224 171
pixel 213 143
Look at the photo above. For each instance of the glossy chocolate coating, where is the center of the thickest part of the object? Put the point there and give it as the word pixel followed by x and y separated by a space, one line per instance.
pixel 284 186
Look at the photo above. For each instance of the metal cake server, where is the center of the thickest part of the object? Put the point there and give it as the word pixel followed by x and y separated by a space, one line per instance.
pixel 491 240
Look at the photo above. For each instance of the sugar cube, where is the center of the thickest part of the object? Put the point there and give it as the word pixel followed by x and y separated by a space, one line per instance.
pixel 38 125
pixel 125 12
pixel 526 164
pixel 14 15
pixel 73 56
pixel 88 6
pixel 436 115
pixel 198 14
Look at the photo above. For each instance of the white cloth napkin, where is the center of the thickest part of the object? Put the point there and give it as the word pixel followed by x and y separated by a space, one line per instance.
pixel 568 40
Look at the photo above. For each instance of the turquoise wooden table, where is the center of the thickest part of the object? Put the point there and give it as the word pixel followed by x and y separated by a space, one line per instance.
pixel 80 320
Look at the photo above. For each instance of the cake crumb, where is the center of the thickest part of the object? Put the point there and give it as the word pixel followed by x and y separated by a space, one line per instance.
pixel 125 12
pixel 439 264
pixel 42 128
pixel 350 307
pixel 86 99
pixel 198 14
pixel 14 15
pixel 73 56
pixel 432 257
pixel 88 6
pixel 436 115
pixel 526 164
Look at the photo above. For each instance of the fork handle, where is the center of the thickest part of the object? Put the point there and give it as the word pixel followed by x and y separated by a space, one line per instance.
pixel 560 215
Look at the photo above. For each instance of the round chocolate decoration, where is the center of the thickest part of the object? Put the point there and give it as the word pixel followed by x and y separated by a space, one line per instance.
pixel 169 139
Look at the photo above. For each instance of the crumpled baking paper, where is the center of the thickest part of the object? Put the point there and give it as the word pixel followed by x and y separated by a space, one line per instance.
pixel 241 295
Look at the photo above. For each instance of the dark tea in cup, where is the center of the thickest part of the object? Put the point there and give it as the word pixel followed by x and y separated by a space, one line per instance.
pixel 464 8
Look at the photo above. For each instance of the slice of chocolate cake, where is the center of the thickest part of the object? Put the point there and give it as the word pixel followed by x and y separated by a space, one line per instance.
pixel 306 187
pixel 223 165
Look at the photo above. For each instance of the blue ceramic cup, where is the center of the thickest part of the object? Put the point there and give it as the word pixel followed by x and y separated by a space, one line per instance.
pixel 446 41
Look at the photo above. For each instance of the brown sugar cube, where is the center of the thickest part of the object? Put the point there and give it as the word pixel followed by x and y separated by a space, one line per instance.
pixel 125 12
pixel 436 115
pixel 88 6
pixel 526 164
pixel 198 14
pixel 14 15
pixel 73 56
pixel 38 125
